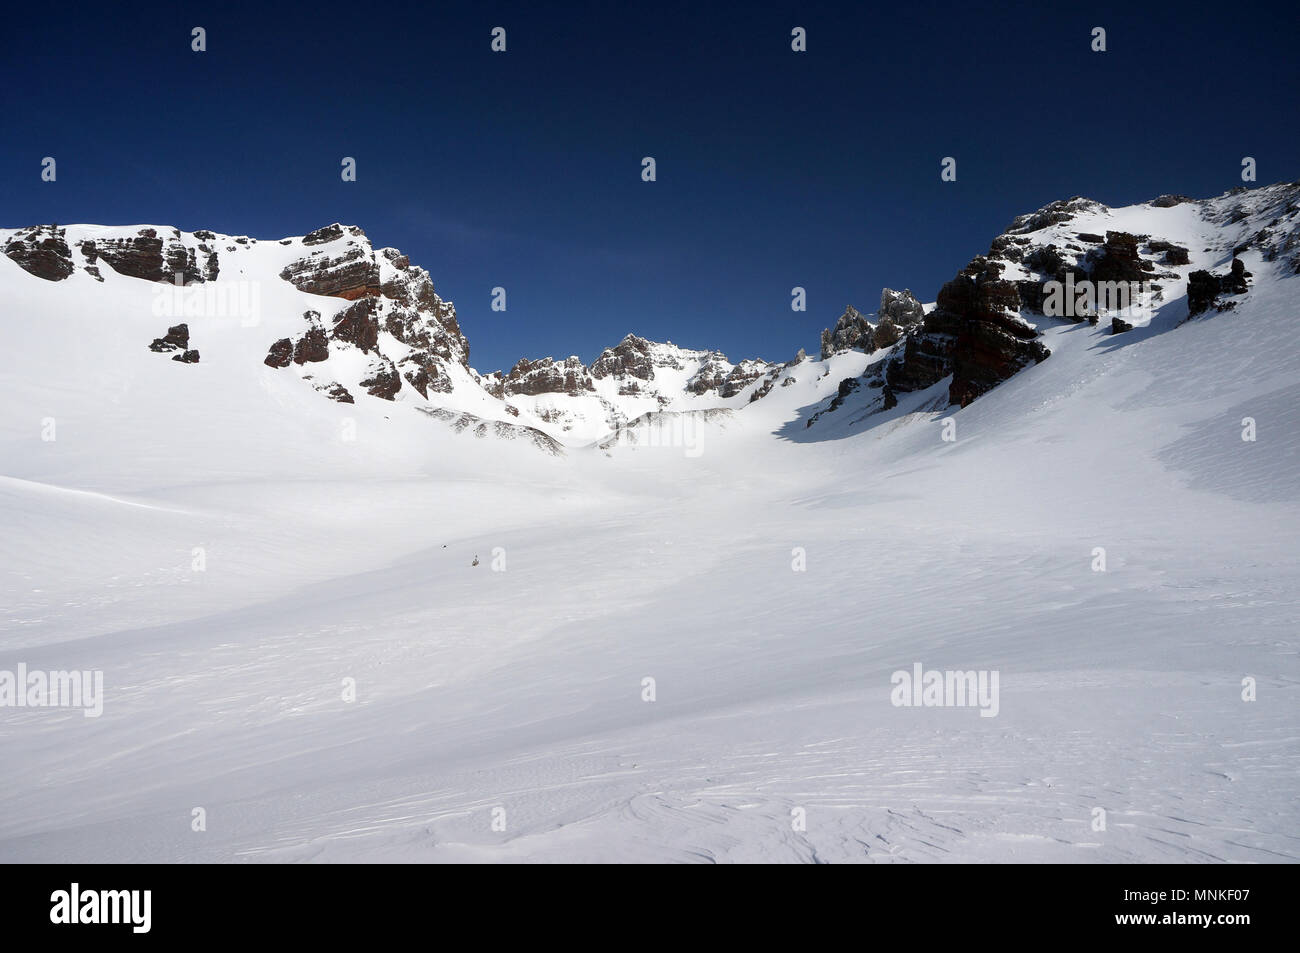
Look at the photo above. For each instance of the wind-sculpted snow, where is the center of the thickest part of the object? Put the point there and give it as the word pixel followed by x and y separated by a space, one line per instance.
pixel 428 629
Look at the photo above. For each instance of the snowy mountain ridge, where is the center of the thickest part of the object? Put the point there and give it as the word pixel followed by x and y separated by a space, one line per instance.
pixel 352 321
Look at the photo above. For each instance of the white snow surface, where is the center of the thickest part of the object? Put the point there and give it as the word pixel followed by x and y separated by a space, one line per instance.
pixel 327 559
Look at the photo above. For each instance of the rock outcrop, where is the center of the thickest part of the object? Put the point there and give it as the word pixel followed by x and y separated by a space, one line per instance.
pixel 347 270
pixel 281 354
pixel 900 308
pixel 41 251
pixel 388 295
pixel 851 331
pixel 313 346
pixel 1118 259
pixel 177 338
pixel 898 311
pixel 629 358
pixel 150 258
pixel 1204 288
pixel 546 376
pixel 45 252
pixel 975 333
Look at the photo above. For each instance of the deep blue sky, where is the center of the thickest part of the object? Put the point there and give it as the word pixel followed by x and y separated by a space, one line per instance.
pixel 522 169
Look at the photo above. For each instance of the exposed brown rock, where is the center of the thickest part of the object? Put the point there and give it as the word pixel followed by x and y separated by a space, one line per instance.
pixel 281 354
pixel 41 251
pixel 177 338
pixel 358 324
pixel 312 347
pixel 629 358
pixel 352 274
pixel 382 379
pixel 150 258
pixel 545 376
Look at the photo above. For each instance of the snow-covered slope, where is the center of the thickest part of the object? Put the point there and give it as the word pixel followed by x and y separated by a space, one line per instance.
pixel 331 314
pixel 681 645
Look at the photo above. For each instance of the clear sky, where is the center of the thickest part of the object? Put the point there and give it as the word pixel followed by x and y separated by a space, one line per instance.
pixel 523 169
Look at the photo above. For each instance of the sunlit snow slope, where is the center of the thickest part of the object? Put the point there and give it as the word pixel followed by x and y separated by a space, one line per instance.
pixel 229 547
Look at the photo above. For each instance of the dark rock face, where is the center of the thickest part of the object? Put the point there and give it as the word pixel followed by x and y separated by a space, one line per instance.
pixel 281 354
pixel 887 333
pixel 629 358
pixel 1049 262
pixel 1115 259
pixel 312 347
pixel 1174 254
pixel 177 338
pixel 1118 259
pixel 545 376
pixel 352 274
pixel 927 355
pixel 189 357
pixel 425 377
pixel 416 316
pixel 358 324
pixel 1119 327
pixel 150 258
pixel 899 308
pixel 1204 288
pixel 41 251
pixel 992 342
pixel 1046 259
pixel 321 236
pixel 1169 201
pixel 400 301
pixel 1234 283
pixel 382 379
pixel 851 330
pixel 974 333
